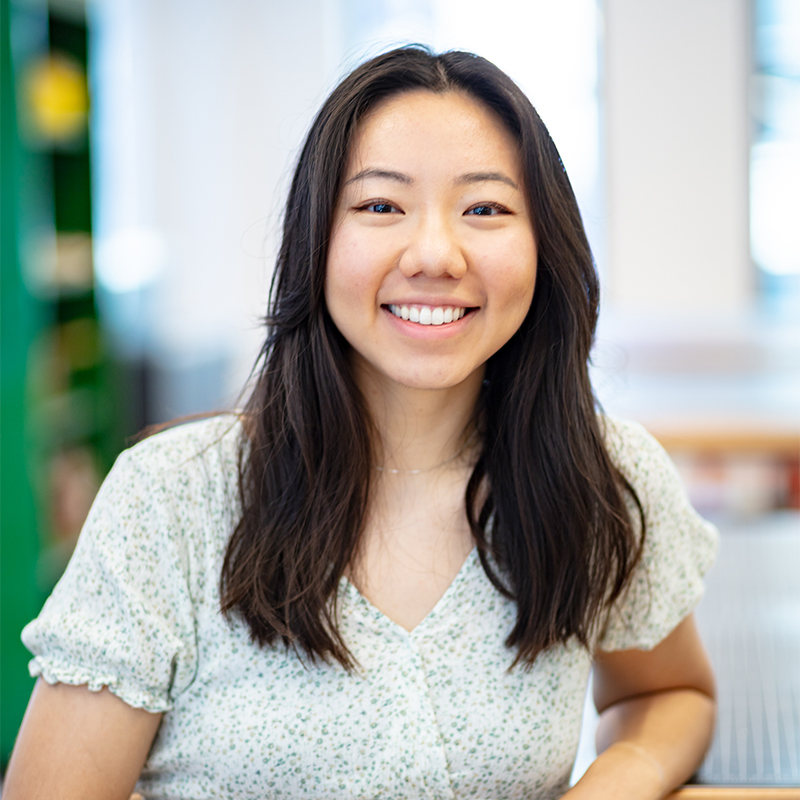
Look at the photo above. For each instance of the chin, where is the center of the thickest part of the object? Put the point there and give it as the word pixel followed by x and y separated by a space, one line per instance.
pixel 432 382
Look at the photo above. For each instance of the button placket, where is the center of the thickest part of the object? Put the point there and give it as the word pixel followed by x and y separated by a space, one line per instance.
pixel 435 777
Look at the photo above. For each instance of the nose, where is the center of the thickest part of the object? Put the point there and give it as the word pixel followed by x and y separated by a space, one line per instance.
pixel 433 250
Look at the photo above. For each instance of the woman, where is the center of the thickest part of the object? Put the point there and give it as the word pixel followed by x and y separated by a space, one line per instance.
pixel 430 537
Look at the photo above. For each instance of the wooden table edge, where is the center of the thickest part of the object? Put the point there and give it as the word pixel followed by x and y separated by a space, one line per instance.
pixel 736 793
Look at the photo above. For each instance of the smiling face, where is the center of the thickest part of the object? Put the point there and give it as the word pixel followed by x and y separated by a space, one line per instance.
pixel 432 259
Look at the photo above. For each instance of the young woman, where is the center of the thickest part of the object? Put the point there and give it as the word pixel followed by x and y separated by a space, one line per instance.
pixel 390 576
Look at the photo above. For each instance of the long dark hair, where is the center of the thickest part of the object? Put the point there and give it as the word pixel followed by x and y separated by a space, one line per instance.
pixel 545 503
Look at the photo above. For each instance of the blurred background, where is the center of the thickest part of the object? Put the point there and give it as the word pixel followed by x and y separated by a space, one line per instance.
pixel 146 149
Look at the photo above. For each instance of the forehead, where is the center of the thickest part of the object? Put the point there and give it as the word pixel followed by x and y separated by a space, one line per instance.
pixel 451 128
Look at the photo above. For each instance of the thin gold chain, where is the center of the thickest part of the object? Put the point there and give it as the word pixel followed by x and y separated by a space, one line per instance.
pixel 435 466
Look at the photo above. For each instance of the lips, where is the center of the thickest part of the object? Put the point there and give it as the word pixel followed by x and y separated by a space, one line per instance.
pixel 428 315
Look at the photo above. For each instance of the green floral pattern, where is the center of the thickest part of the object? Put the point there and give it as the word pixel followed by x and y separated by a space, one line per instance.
pixel 434 713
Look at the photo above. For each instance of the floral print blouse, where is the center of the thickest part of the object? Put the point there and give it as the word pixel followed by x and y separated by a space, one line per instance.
pixel 434 713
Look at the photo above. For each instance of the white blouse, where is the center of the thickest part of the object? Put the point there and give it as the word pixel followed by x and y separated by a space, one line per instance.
pixel 434 713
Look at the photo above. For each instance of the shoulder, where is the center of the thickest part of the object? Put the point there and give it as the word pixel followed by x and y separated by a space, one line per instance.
pixel 176 479
pixel 629 444
pixel 642 461
pixel 199 453
pixel 203 441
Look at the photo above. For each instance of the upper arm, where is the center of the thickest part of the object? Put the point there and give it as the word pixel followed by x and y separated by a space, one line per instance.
pixel 678 662
pixel 75 743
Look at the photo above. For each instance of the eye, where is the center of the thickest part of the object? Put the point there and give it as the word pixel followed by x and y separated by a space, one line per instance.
pixel 380 207
pixel 487 210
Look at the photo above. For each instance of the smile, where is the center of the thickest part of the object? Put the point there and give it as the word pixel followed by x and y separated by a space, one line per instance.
pixel 428 315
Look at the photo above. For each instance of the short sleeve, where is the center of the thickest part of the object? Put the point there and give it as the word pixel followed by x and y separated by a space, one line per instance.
pixel 121 616
pixel 679 545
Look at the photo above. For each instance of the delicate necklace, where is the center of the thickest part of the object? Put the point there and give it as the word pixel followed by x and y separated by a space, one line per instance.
pixel 435 466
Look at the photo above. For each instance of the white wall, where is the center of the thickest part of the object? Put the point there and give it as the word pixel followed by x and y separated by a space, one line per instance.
pixel 199 108
pixel 677 149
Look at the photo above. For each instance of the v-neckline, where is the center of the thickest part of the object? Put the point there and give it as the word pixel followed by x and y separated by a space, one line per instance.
pixel 377 615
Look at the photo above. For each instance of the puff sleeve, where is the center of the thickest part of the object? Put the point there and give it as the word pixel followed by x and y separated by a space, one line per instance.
pixel 679 545
pixel 122 616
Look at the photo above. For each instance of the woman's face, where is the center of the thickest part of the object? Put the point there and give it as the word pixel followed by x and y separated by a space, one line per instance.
pixel 432 259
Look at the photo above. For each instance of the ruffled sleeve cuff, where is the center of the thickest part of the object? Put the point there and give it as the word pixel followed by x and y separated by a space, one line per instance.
pixel 134 695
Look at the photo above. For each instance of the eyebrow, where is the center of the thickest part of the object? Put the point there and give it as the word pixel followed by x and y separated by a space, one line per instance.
pixel 388 174
pixel 481 177
pixel 401 177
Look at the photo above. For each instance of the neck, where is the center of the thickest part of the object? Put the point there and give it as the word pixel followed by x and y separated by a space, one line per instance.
pixel 419 429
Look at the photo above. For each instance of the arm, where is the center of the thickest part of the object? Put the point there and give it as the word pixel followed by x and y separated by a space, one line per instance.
pixel 74 743
pixel 657 713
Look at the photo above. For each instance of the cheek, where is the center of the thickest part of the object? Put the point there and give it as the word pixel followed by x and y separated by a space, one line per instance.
pixel 514 277
pixel 350 291
pixel 339 277
pixel 351 272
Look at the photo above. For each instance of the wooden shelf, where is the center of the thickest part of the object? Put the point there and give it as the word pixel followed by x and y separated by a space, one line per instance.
pixel 711 439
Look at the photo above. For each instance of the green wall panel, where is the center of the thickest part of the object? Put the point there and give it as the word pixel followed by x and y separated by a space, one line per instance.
pixel 19 314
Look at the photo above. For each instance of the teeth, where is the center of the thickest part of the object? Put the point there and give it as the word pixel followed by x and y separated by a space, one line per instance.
pixel 428 315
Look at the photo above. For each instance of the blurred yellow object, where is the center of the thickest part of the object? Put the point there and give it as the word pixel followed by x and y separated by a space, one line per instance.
pixel 57 96
pixel 79 343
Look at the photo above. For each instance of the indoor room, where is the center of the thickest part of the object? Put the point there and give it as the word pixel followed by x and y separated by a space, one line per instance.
pixel 148 150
